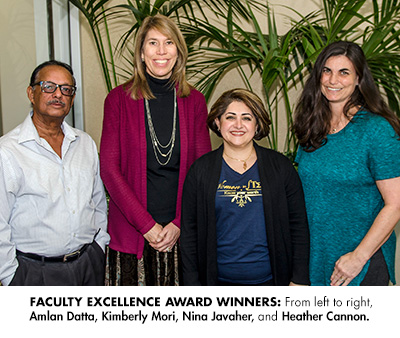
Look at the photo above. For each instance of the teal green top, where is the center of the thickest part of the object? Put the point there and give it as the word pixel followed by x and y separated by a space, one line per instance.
pixel 342 199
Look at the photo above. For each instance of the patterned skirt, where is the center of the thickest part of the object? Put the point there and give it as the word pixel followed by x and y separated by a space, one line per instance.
pixel 153 269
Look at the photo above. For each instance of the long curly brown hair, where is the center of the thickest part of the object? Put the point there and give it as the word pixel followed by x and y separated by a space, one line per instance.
pixel 312 115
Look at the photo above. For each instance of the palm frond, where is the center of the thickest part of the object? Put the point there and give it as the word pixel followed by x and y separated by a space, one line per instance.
pixel 218 44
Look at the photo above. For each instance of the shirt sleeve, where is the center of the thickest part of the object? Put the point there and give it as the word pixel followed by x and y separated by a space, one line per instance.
pixel 116 183
pixel 298 155
pixel 100 202
pixel 8 260
pixel 203 141
pixel 188 239
pixel 299 231
pixel 384 154
pixel 200 142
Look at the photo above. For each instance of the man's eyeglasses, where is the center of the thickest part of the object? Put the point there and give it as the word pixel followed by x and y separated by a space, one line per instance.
pixel 51 87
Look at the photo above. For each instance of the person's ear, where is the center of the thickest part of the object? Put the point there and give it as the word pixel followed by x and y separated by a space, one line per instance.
pixel 30 93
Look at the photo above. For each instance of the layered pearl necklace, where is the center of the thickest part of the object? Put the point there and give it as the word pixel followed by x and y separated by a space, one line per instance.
pixel 165 151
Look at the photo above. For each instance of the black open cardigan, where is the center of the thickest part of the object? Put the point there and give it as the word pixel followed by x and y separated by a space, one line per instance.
pixel 285 219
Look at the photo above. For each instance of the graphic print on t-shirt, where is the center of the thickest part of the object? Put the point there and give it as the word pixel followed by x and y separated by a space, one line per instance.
pixel 240 188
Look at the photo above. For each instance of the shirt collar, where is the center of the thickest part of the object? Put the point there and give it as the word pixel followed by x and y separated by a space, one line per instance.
pixel 30 133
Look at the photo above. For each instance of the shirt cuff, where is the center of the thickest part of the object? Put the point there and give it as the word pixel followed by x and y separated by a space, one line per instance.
pixel 7 281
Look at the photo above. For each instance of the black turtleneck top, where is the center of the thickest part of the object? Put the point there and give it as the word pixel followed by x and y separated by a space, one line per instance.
pixel 162 180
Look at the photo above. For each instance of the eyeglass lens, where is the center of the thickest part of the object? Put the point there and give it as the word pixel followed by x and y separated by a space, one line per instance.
pixel 50 87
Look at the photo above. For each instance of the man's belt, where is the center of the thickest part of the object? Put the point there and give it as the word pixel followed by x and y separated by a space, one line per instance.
pixel 57 259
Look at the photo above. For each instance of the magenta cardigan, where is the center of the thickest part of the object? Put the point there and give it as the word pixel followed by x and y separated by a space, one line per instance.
pixel 123 162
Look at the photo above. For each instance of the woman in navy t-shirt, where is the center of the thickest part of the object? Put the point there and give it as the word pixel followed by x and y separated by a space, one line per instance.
pixel 243 213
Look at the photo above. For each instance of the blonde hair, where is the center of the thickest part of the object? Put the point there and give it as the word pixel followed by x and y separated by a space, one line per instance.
pixel 137 85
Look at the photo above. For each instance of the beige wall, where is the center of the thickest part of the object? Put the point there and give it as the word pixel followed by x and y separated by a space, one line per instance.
pixel 17 60
pixel 23 41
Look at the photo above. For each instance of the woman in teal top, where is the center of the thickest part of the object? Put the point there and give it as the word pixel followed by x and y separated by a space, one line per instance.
pixel 349 164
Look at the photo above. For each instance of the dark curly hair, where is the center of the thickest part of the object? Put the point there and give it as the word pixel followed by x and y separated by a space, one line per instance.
pixel 312 115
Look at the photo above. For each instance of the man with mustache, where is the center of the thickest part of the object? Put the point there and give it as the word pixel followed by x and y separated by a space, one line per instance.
pixel 53 215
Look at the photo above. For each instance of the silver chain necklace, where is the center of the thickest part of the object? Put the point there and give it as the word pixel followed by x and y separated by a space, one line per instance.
pixel 159 149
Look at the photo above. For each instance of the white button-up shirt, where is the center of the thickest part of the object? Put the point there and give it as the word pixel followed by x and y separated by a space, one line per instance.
pixel 49 205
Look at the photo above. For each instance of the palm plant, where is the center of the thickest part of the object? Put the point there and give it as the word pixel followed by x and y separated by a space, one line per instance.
pixel 377 33
pixel 381 44
pixel 100 13
pixel 97 16
pixel 231 47
pixel 218 43
pixel 283 61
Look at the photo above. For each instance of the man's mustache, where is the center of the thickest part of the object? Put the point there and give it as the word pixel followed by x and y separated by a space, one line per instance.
pixel 56 101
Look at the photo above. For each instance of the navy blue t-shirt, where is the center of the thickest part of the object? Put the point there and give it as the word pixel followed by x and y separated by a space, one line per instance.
pixel 242 249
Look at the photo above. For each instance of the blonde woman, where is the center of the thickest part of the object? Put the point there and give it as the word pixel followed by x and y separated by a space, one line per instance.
pixel 154 128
